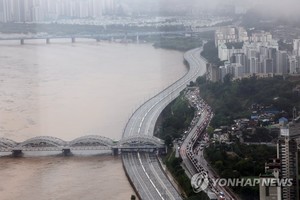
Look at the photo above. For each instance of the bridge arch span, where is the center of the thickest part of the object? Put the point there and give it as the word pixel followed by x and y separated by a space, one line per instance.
pixel 141 140
pixel 91 140
pixel 42 141
pixel 7 144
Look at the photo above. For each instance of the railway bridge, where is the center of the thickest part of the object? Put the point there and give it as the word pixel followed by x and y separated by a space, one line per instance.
pixel 88 142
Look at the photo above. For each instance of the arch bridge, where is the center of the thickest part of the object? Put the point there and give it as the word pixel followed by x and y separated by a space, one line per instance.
pixel 91 142
pixel 7 145
pixel 41 143
pixel 88 142
pixel 141 143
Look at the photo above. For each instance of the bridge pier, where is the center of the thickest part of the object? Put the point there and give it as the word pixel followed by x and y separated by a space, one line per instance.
pixel 21 41
pixel 47 40
pixel 66 151
pixel 115 151
pixel 73 39
pixel 17 153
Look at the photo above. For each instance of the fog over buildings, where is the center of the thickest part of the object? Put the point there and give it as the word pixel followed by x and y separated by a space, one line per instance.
pixel 41 10
pixel 287 8
pixel 277 9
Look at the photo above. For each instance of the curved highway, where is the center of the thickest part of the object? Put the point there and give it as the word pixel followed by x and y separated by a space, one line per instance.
pixel 143 120
pixel 143 169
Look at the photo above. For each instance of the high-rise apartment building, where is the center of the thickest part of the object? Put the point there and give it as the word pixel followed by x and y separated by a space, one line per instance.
pixel 272 171
pixel 281 62
pixel 296 47
pixel 230 34
pixel 3 11
pixel 225 35
pixel 284 168
pixel 254 65
pixel 261 37
pixel 268 66
pixel 260 55
pixel 41 10
pixel 223 72
pixel 212 72
pixel 293 64
pixel 239 58
pixel 287 152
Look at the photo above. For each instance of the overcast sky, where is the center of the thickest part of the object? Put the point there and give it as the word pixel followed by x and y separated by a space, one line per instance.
pixel 280 7
pixel 285 8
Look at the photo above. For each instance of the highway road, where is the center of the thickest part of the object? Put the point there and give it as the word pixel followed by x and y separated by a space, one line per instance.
pixel 142 121
pixel 143 169
pixel 193 160
pixel 184 147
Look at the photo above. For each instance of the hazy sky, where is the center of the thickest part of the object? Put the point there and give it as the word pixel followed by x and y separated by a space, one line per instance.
pixel 280 7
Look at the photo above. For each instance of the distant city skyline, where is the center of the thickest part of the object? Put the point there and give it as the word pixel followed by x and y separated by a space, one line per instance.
pixel 42 10
pixel 49 10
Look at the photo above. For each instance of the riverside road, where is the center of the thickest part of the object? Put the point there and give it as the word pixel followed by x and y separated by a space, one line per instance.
pixel 147 176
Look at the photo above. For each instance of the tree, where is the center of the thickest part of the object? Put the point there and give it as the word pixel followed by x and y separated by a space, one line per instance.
pixel 219 165
pixel 201 80
pixel 168 141
pixel 227 79
pixel 192 84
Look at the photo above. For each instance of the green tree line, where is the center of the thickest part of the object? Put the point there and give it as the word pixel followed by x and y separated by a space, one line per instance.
pixel 174 119
pixel 232 99
pixel 240 160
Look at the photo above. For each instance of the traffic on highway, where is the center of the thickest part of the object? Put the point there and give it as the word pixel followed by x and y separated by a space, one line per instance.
pixel 195 140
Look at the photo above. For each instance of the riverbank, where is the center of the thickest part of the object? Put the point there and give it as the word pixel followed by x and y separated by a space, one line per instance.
pixel 181 43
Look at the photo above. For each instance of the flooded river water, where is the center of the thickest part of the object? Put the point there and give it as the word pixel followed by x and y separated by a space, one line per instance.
pixel 69 90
